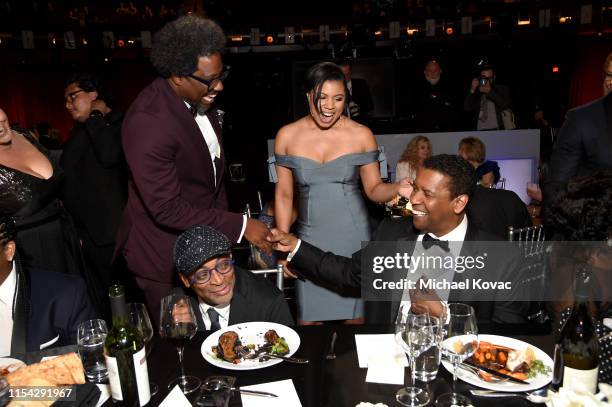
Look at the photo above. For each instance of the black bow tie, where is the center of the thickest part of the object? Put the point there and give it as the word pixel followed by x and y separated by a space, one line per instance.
pixel 193 109
pixel 429 241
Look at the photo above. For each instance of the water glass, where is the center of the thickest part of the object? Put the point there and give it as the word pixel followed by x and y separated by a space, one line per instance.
pixel 428 362
pixel 460 342
pixel 413 334
pixel 90 342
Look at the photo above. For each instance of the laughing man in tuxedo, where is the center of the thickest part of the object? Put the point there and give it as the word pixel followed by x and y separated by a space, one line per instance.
pixel 173 147
pixel 442 189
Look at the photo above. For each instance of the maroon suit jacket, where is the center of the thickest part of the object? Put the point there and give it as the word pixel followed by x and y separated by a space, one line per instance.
pixel 171 185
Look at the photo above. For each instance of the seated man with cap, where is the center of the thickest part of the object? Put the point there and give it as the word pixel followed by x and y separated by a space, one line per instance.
pixel 226 294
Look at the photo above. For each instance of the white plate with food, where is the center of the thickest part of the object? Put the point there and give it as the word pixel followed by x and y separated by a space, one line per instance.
pixel 242 345
pixel 510 356
pixel 9 365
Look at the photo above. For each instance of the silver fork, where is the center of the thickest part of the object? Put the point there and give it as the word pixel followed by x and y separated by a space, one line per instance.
pixel 331 355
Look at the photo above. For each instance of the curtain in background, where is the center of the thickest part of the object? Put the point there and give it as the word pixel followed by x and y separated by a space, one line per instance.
pixel 30 95
pixel 587 78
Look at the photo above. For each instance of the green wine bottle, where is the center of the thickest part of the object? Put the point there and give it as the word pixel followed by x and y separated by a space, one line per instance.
pixel 577 351
pixel 124 351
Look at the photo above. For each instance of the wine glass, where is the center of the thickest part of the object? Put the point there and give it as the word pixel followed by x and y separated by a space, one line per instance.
pixel 461 341
pixel 178 324
pixel 414 335
pixel 139 318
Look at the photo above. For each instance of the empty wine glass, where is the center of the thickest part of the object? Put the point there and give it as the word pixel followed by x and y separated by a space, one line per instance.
pixel 461 341
pixel 414 335
pixel 139 318
pixel 178 324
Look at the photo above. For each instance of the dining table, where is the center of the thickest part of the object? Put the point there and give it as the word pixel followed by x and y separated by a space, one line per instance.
pixel 337 382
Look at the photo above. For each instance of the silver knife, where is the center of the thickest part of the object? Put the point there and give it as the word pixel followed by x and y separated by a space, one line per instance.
pixel 256 393
pixel 287 358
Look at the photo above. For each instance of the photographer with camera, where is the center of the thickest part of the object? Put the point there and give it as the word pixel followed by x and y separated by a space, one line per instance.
pixel 488 101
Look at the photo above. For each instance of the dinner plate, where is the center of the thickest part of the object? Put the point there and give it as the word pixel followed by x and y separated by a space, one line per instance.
pixel 250 333
pixel 534 383
pixel 12 362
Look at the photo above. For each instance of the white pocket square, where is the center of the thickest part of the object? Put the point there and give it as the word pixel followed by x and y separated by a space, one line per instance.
pixel 51 342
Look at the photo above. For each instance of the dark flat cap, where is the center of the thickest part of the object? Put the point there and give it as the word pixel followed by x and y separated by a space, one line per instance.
pixel 198 244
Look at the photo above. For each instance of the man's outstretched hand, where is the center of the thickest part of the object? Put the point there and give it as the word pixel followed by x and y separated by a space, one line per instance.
pixel 281 241
pixel 256 232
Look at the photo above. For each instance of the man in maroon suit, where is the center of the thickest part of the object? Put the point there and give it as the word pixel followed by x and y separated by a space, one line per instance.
pixel 172 143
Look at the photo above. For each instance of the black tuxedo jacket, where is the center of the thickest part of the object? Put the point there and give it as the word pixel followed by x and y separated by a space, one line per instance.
pixel 95 187
pixel 255 299
pixel 583 146
pixel 48 310
pixel 172 183
pixel 339 271
pixel 493 210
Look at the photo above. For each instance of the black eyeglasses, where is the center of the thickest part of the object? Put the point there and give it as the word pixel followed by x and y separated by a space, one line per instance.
pixel 202 276
pixel 72 95
pixel 211 83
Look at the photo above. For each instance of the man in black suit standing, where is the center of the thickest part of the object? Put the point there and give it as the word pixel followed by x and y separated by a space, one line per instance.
pixel 360 100
pixel 494 210
pixel 96 180
pixel 38 310
pixel 224 294
pixel 442 189
pixel 584 144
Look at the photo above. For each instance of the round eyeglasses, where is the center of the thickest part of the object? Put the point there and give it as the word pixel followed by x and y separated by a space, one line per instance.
pixel 203 275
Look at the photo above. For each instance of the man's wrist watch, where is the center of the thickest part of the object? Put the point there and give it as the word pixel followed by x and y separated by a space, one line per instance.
pixel 96 113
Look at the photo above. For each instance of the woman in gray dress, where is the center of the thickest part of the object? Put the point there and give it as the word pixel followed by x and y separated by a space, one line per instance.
pixel 325 154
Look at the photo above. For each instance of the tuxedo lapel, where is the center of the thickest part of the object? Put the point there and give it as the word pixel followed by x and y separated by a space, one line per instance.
pixel 191 136
pixel 22 310
pixel 239 309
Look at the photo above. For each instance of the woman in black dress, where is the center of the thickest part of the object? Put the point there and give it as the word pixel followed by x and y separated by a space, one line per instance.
pixel 29 188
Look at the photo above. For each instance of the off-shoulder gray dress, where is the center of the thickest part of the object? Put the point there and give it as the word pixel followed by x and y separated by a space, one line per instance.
pixel 333 217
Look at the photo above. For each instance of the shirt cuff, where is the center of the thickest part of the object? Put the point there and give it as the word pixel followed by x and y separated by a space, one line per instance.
pixel 244 223
pixel 295 250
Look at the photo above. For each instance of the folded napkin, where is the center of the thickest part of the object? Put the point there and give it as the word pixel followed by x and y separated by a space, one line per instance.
pixel 379 348
pixel 175 398
pixel 579 396
pixel 284 389
pixel 382 356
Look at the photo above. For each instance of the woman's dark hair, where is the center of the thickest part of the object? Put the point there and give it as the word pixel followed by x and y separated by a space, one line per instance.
pixel 461 173
pixel 91 83
pixel 583 211
pixel 318 75
pixel 7 229
pixel 180 43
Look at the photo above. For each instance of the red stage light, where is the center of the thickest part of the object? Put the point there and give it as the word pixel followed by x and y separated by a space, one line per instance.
pixel 450 31
pixel 555 69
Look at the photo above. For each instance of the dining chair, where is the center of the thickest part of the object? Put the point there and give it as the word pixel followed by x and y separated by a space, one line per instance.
pixel 531 242
pixel 278 270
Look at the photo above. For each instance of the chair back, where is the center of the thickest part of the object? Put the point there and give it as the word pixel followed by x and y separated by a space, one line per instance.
pixel 530 238
pixel 534 269
pixel 280 282
pixel 501 184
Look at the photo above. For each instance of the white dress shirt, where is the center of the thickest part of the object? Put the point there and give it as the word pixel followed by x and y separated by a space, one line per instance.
pixel 7 296
pixel 456 235
pixel 223 314
pixel 214 148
